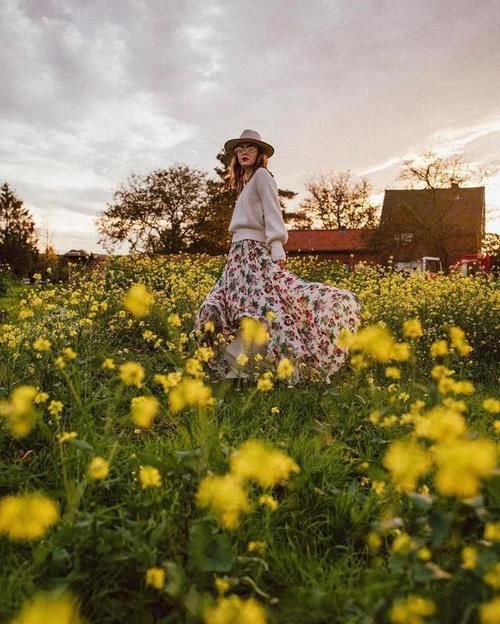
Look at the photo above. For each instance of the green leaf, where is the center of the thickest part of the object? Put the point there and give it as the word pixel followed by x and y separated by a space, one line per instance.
pixel 493 490
pixel 422 502
pixel 209 551
pixel 175 578
pixel 81 444
pixel 439 522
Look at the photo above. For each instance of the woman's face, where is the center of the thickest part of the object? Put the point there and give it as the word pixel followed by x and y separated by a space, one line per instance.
pixel 247 154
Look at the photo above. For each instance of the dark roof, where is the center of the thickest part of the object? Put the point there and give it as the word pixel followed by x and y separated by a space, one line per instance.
pixel 457 203
pixel 329 240
pixel 76 252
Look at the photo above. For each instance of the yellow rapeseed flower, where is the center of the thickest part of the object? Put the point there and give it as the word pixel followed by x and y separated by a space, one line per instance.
pixel 407 462
pixel 55 408
pixel 439 348
pixel 374 340
pixel 174 320
pixel 155 577
pixel 66 436
pixel 378 487
pixel 374 541
pixel 489 612
pixel 169 380
pixel 359 361
pixel 27 516
pixel 225 496
pixel 69 354
pixel 440 423
pixel 463 386
pixel 242 359
pixel 445 385
pixel 256 546
pixel 412 329
pixel 132 374
pixel 19 411
pixel 187 393
pixel 411 610
pixel 143 409
pixel 42 344
pixel 491 405
pixel 47 608
pixel 204 354
pixel 492 532
pixel 108 364
pixel 461 464
pixel 401 352
pixel 266 500
pixel 193 367
pixel 24 314
pixel 235 610
pixel 138 300
pixel 253 332
pixel 256 460
pixel 424 554
pixel 222 585
pixel 393 372
pixel 403 543
pixel 458 405
pixel 492 577
pixel 439 371
pixel 285 368
pixel 469 557
pixel 98 468
pixel 209 326
pixel 265 383
pixel 457 335
pixel 149 476
pixel 41 397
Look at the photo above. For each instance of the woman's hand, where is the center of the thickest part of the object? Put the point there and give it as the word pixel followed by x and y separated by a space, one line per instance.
pixel 281 263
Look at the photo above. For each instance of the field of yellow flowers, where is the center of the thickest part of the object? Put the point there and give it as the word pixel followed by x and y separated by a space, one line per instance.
pixel 136 488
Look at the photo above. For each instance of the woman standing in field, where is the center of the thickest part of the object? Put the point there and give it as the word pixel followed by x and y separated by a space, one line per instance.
pixel 303 319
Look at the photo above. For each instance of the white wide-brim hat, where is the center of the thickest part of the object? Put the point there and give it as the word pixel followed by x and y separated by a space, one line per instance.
pixel 249 135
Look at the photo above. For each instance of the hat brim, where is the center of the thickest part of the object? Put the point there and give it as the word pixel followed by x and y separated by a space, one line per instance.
pixel 232 143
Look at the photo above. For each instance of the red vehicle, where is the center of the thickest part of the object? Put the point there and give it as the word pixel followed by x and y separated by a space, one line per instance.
pixel 471 264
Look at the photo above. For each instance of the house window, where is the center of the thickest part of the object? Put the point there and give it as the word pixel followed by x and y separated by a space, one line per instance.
pixel 404 238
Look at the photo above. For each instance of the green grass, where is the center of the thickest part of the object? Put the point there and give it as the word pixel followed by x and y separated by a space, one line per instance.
pixel 316 568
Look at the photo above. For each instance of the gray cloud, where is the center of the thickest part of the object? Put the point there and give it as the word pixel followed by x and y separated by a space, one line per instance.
pixel 92 91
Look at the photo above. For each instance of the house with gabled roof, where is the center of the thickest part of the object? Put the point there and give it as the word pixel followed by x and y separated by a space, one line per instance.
pixel 442 222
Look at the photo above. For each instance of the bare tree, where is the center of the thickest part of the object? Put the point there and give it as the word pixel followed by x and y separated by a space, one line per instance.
pixel 491 244
pixel 432 171
pixel 338 202
pixel 440 179
pixel 299 220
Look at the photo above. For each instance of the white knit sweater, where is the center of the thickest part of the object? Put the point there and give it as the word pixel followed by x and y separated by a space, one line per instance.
pixel 257 214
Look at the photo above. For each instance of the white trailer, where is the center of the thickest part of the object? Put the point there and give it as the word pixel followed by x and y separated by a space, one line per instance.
pixel 428 264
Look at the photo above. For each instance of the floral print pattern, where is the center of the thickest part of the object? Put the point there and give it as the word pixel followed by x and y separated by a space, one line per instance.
pixel 308 316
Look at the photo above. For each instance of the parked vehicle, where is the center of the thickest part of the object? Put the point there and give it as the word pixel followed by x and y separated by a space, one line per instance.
pixel 472 264
pixel 426 264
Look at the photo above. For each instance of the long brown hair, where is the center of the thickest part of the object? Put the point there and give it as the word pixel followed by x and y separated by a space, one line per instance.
pixel 234 177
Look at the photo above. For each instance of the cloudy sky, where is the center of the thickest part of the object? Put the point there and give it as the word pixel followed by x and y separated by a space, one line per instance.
pixel 93 90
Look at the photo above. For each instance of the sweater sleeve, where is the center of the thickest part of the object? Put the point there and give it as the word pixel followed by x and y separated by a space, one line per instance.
pixel 276 232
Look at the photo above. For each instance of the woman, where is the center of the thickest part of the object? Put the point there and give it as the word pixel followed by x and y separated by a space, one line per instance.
pixel 303 319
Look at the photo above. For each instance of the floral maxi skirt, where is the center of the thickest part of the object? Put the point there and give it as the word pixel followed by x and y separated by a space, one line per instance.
pixel 306 316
